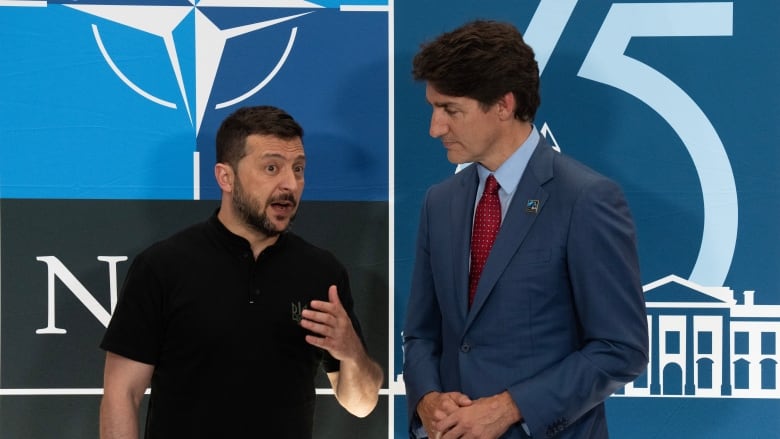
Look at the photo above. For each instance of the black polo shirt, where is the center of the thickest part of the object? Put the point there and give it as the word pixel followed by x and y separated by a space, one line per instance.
pixel 222 331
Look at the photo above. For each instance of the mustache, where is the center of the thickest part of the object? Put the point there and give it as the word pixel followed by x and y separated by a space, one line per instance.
pixel 285 197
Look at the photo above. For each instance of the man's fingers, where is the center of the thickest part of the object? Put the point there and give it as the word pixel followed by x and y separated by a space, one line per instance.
pixel 332 306
pixel 333 295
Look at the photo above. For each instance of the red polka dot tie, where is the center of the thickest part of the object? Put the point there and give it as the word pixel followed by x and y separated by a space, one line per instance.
pixel 487 221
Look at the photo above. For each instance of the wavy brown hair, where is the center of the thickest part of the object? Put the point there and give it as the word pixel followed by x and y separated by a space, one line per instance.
pixel 482 60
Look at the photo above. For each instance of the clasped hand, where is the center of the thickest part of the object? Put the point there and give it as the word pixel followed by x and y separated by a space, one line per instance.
pixel 454 415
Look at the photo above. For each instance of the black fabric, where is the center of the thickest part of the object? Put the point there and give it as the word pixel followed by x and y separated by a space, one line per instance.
pixel 222 331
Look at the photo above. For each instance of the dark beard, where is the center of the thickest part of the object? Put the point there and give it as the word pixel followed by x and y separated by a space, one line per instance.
pixel 249 212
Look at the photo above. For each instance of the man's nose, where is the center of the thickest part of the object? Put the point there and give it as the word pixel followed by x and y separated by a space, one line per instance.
pixel 438 126
pixel 290 180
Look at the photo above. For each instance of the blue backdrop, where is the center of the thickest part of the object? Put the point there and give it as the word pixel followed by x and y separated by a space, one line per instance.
pixel 677 101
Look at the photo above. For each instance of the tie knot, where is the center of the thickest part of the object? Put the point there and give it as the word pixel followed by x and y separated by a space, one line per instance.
pixel 491 185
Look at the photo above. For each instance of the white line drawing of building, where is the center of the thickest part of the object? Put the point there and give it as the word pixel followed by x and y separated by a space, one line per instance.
pixel 706 343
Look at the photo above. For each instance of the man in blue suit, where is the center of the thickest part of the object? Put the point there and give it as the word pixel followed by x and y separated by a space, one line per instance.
pixel 558 320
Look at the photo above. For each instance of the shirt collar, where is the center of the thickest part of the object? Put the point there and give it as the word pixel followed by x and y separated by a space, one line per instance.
pixel 236 243
pixel 510 172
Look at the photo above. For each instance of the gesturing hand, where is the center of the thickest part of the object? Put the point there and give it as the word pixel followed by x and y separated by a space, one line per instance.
pixel 332 326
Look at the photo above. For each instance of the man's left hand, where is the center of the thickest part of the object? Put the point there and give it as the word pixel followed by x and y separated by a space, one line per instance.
pixel 486 418
pixel 332 326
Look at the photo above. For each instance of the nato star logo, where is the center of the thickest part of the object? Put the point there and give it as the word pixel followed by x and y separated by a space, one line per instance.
pixel 163 19
pixel 160 74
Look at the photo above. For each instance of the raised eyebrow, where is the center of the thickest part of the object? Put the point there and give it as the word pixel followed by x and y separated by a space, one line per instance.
pixel 276 155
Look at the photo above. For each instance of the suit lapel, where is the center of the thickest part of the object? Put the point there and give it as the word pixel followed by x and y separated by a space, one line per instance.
pixel 461 213
pixel 517 222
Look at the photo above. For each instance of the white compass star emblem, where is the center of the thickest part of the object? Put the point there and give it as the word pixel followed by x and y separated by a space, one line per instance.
pixel 210 40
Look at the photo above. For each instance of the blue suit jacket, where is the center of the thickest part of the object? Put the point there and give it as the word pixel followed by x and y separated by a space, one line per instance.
pixel 559 316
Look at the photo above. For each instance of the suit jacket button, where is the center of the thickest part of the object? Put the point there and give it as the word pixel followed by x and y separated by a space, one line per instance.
pixel 465 348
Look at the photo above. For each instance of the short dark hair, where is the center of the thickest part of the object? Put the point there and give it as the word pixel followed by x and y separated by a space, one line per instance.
pixel 264 120
pixel 482 60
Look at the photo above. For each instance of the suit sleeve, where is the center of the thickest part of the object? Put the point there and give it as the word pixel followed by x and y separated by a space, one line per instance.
pixel 606 291
pixel 422 328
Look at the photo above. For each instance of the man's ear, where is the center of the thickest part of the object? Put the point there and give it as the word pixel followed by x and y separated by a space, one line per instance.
pixel 506 106
pixel 225 176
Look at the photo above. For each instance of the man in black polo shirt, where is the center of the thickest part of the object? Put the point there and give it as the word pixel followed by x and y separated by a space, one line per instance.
pixel 229 320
